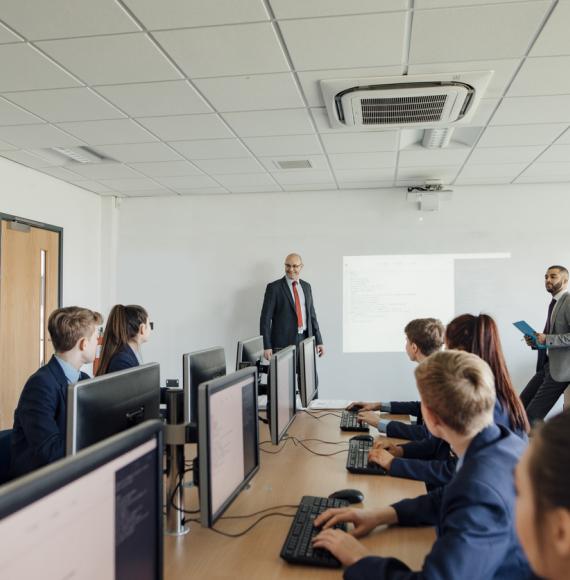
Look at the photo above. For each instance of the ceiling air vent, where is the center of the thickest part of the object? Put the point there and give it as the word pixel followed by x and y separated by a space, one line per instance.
pixel 426 101
pixel 293 164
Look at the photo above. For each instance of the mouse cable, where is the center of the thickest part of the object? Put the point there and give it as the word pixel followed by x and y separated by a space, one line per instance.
pixel 239 534
pixel 275 507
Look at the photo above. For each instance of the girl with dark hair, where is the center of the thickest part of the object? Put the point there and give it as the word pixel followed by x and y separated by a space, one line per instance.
pixel 543 499
pixel 127 328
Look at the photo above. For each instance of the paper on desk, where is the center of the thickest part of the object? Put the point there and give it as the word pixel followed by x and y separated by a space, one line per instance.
pixel 329 404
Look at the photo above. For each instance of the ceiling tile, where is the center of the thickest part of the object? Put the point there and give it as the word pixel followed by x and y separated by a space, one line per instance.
pixel 421 156
pixel 556 154
pixel 7 35
pixel 12 115
pixel 475 32
pixel 156 99
pixel 503 71
pixel 518 135
pixel 187 182
pixel 325 186
pixel 545 172
pixel 58 105
pixel 304 177
pixel 482 180
pixel 64 174
pixel 6 146
pixel 106 171
pixel 231 50
pixel 25 158
pixel 268 123
pixel 63 18
pixel 192 13
pixel 361 143
pixel 100 60
pixel 166 169
pixel 364 175
pixel 345 41
pixel 246 180
pixel 93 186
pixel 318 162
pixel 510 170
pixel 26 136
pixel 363 160
pixel 542 76
pixel 158 192
pixel 211 149
pixel 426 4
pixel 108 132
pixel 490 155
pixel 24 69
pixel 139 152
pixel 304 9
pixel 187 127
pixel 251 93
pixel 524 110
pixel 284 145
pixel 564 139
pixel 202 191
pixel 442 172
pixel 310 80
pixel 554 37
pixel 256 189
pixel 130 184
pixel 222 166
pixel 365 184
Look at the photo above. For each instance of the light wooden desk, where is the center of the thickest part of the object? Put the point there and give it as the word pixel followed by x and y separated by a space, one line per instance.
pixel 283 479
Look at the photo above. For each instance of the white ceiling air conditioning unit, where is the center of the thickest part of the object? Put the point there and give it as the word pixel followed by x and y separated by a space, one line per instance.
pixel 446 99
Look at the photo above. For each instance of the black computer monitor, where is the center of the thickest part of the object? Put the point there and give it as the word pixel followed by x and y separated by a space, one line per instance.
pixel 197 368
pixel 100 407
pixel 308 371
pixel 249 351
pixel 97 514
pixel 228 440
pixel 282 392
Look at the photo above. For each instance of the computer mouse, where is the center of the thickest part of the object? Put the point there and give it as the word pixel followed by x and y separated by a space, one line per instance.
pixel 362 438
pixel 355 408
pixel 350 495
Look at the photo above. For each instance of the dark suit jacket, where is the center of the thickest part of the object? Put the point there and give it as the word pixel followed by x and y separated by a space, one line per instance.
pixel 474 515
pixel 124 359
pixel 403 430
pixel 278 322
pixel 38 437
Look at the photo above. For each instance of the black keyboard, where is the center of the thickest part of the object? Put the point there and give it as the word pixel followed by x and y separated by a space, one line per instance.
pixel 357 460
pixel 298 547
pixel 350 422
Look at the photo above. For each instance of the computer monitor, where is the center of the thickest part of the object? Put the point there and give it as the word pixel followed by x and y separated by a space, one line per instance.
pixel 282 392
pixel 308 371
pixel 249 351
pixel 197 368
pixel 228 440
pixel 97 514
pixel 100 407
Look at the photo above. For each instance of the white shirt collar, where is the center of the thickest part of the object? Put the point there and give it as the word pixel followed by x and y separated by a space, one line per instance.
pixel 558 295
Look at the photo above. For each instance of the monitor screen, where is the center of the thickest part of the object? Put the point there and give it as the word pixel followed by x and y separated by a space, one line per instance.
pixel 282 392
pixel 228 441
pixel 308 371
pixel 97 514
pixel 100 407
pixel 249 351
pixel 197 368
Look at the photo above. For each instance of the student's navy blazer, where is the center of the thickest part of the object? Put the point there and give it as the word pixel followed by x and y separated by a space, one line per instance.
pixel 39 432
pixel 474 515
pixel 123 359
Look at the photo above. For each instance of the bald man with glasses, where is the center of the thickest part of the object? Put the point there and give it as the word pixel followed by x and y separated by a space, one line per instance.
pixel 288 315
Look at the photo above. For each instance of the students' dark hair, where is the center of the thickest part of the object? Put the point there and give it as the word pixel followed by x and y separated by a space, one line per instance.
pixel 548 465
pixel 480 335
pixel 426 334
pixel 122 325
pixel 67 325
pixel 561 269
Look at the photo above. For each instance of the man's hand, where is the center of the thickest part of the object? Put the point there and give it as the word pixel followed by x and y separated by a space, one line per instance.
pixel 540 338
pixel 369 417
pixel 321 349
pixel 363 406
pixel 346 548
pixel 364 521
pixel 395 450
pixel 381 457
pixel 267 353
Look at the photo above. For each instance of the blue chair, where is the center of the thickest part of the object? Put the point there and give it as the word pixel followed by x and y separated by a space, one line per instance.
pixel 5 452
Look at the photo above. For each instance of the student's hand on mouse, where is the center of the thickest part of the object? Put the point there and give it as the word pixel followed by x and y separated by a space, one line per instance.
pixel 267 353
pixel 346 548
pixel 364 521
pixel 381 457
pixel 362 406
pixel 369 417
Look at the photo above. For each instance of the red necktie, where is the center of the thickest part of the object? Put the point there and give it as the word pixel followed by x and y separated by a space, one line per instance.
pixel 298 306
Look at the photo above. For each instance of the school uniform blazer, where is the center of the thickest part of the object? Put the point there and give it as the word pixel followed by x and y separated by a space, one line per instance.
pixel 39 432
pixel 558 342
pixel 474 515
pixel 123 359
pixel 278 321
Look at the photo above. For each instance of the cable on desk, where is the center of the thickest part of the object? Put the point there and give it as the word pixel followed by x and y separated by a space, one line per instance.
pixel 285 439
pixel 300 442
pixel 275 507
pixel 239 534
pixel 320 416
pixel 177 508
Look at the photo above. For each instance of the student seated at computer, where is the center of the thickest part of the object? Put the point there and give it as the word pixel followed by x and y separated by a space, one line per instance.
pixel 543 499
pixel 430 460
pixel 127 328
pixel 424 336
pixel 38 436
pixel 474 513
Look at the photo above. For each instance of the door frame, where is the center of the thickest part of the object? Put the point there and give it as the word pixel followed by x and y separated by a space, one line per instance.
pixel 43 226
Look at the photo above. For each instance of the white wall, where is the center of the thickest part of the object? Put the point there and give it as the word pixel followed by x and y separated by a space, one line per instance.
pixel 200 266
pixel 33 195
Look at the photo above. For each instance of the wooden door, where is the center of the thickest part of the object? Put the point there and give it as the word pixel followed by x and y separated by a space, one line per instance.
pixel 29 292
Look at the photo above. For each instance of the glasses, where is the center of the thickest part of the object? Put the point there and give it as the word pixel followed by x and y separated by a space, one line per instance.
pixel 293 266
